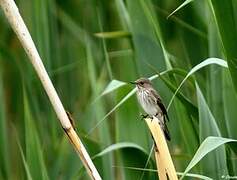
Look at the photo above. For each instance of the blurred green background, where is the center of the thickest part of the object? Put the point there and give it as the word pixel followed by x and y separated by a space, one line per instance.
pixel 91 49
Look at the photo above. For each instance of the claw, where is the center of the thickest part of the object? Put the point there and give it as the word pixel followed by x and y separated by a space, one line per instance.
pixel 143 116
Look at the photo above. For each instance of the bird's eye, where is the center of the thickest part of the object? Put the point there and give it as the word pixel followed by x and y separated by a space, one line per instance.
pixel 141 83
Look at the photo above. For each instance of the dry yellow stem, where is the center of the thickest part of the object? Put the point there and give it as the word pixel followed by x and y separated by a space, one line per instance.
pixel 160 166
pixel 80 149
pixel 14 18
pixel 164 162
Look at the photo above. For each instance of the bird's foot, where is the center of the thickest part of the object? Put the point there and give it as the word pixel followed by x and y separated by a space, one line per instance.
pixel 144 116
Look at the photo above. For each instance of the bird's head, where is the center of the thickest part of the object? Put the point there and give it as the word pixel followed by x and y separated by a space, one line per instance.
pixel 142 83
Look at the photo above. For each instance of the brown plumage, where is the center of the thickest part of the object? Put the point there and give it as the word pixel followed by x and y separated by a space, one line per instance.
pixel 151 103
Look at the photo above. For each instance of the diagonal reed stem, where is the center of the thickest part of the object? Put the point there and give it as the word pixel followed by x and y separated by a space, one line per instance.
pixel 13 16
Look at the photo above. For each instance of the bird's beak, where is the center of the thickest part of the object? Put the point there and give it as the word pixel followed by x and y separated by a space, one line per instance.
pixel 131 82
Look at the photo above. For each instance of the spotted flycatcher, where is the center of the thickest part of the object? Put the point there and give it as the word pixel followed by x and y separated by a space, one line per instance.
pixel 151 102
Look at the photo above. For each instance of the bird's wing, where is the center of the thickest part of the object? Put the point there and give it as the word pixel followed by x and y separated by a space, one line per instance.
pixel 159 103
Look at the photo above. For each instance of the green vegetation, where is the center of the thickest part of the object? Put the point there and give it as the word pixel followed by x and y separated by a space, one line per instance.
pixel 91 49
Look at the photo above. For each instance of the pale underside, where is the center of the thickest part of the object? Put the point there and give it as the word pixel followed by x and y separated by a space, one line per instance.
pixel 148 103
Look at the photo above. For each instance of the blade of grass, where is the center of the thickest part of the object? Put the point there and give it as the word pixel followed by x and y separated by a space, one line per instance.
pixel 215 163
pixel 112 86
pixel 182 23
pixel 112 110
pixel 123 13
pixel 112 35
pixel 180 7
pixel 208 145
pixel 178 173
pixel 74 28
pixel 206 62
pixel 147 161
pixel 99 110
pixel 149 12
pixel 120 145
pixel 107 61
pixel 34 153
pixel 4 153
pixel 230 102
pixel 121 53
pixel 144 39
pixel 226 22
pixel 27 169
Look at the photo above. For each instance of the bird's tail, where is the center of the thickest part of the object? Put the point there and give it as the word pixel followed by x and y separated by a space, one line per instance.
pixel 162 122
pixel 166 131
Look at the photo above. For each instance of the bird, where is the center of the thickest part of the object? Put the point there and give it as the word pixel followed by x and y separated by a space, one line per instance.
pixel 151 102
